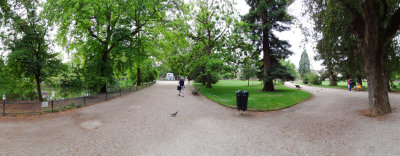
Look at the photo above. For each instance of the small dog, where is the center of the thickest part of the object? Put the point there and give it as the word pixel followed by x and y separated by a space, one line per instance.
pixel 174 114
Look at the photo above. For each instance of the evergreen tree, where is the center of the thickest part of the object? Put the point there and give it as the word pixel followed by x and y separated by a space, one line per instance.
pixel 304 65
pixel 264 17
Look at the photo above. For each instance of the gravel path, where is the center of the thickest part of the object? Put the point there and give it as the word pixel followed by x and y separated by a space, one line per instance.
pixel 330 123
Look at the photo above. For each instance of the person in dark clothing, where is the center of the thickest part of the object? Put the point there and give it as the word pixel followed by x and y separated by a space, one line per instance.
pixel 182 84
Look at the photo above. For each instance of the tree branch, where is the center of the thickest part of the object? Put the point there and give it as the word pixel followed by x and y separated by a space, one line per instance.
pixel 393 25
pixel 217 38
pixel 95 36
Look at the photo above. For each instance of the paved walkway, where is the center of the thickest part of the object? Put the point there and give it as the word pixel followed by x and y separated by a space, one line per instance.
pixel 330 123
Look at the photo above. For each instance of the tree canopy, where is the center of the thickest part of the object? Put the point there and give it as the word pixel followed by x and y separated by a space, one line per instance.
pixel 374 24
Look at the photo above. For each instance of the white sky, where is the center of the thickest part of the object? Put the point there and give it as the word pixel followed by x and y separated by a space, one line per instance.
pixel 293 36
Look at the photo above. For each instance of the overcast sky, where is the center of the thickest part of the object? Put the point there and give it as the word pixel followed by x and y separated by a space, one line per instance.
pixel 294 36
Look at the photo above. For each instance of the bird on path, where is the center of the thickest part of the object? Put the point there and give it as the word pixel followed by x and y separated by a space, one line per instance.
pixel 174 114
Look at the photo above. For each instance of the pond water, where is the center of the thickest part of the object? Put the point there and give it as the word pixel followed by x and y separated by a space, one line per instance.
pixel 59 93
pixel 48 94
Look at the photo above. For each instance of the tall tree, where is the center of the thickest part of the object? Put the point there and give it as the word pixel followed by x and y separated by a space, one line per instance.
pixel 336 46
pixel 212 24
pixel 96 28
pixel 30 55
pixel 264 17
pixel 304 64
pixel 374 23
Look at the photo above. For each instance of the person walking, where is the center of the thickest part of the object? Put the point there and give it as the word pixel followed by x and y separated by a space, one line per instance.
pixel 349 82
pixel 182 84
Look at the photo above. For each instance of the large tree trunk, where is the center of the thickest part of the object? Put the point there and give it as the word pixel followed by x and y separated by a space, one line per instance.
pixel 388 82
pixel 103 67
pixel 373 44
pixel 203 77
pixel 268 84
pixel 332 81
pixel 138 82
pixel 103 88
pixel 359 79
pixel 209 80
pixel 38 89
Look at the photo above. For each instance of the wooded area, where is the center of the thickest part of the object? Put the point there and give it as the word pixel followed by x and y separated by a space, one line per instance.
pixel 127 42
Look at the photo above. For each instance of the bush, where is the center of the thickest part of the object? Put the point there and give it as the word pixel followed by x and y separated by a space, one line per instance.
pixel 313 79
pixel 306 79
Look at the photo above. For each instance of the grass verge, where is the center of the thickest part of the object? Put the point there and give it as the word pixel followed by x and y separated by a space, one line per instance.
pixel 224 93
pixel 343 85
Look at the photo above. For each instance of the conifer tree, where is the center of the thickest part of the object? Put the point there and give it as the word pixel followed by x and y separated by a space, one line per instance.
pixel 304 65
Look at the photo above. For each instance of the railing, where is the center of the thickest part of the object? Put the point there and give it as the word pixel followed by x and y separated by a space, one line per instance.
pixel 12 108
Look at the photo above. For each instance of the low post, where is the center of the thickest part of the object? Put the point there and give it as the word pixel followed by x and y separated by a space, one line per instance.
pixel 120 91
pixel 106 95
pixel 84 100
pixel 52 106
pixel 4 108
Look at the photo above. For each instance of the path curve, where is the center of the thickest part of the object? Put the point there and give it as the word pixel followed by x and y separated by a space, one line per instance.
pixel 330 123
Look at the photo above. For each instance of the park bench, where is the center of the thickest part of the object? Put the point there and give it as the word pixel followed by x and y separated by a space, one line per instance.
pixel 196 91
pixel 298 86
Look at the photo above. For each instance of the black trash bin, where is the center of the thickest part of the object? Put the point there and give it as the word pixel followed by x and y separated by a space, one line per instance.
pixel 239 100
pixel 245 97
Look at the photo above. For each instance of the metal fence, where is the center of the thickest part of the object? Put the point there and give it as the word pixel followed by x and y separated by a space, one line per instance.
pixel 17 107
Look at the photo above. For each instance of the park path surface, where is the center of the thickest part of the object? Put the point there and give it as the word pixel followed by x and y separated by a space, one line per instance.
pixel 330 123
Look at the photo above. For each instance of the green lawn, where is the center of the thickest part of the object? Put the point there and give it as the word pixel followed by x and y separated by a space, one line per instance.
pixel 343 85
pixel 224 92
pixel 325 84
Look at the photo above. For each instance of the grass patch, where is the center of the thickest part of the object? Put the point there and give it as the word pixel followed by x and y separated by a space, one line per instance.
pixel 343 85
pixel 224 92
pixel 340 85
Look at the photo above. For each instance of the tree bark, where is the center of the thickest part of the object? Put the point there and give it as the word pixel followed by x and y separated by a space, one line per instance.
pixel 203 77
pixel 359 78
pixel 332 81
pixel 103 67
pixel 388 83
pixel 268 84
pixel 209 80
pixel 138 82
pixel 373 45
pixel 38 88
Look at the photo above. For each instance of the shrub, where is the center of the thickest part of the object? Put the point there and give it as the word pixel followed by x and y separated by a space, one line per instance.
pixel 313 79
pixel 306 79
